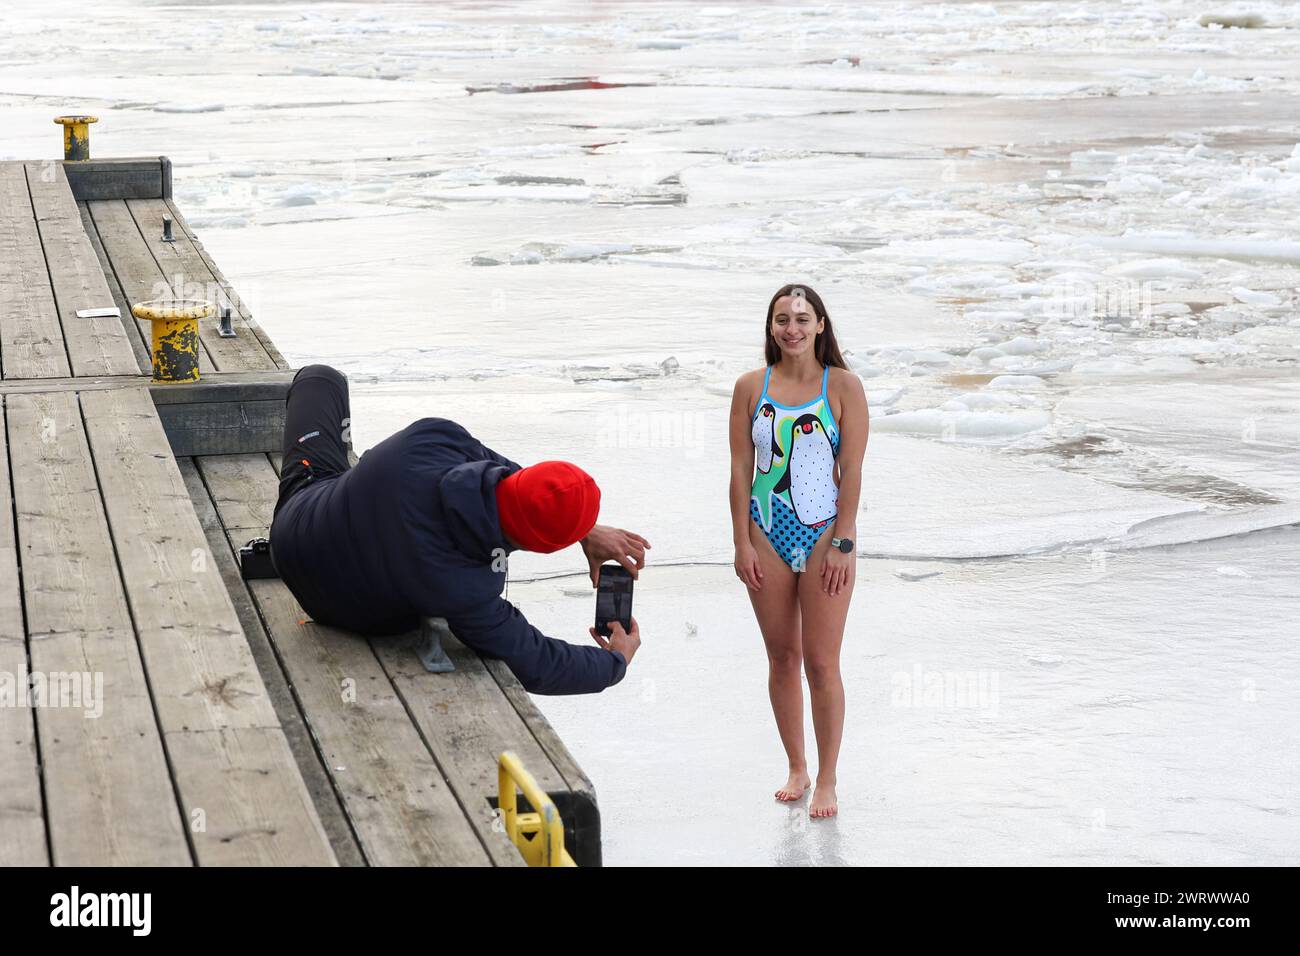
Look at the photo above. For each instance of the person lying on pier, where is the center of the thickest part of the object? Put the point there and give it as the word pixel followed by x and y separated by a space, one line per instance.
pixel 421 527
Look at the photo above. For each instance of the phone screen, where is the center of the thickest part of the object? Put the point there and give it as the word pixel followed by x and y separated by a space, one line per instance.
pixel 613 598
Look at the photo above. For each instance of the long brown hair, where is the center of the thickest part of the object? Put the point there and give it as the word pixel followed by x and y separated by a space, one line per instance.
pixel 825 347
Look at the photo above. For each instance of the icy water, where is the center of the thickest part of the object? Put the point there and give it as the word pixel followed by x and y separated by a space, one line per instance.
pixel 1058 243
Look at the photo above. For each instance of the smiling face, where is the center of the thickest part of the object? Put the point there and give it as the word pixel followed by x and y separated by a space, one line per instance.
pixel 795 325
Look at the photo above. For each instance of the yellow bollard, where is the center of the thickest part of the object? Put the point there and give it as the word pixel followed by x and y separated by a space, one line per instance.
pixel 175 336
pixel 76 135
pixel 539 836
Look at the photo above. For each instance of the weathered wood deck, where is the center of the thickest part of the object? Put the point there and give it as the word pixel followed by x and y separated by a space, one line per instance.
pixel 229 728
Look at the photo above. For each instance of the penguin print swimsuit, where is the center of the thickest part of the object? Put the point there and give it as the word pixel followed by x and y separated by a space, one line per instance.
pixel 794 495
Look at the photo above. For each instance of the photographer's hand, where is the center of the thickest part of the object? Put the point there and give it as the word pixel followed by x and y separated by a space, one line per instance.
pixel 604 543
pixel 625 642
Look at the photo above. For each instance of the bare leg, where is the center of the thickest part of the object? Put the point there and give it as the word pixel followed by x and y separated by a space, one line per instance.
pixel 776 605
pixel 823 633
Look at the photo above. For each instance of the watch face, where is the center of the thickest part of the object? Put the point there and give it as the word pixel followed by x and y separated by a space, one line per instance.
pixel 846 545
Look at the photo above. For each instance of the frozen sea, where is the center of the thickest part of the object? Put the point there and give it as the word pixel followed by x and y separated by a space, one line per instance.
pixel 1059 244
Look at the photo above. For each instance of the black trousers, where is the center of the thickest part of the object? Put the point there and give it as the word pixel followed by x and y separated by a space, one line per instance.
pixel 316 430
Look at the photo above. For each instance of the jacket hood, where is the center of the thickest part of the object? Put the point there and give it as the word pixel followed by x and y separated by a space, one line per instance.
pixel 469 505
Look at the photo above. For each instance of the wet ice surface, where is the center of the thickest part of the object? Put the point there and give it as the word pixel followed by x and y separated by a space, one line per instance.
pixel 1036 710
pixel 1058 244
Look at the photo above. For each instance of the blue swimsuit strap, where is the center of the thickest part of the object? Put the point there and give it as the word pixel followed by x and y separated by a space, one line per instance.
pixel 827 399
pixel 767 377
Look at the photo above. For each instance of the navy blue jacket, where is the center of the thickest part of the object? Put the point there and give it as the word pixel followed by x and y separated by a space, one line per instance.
pixel 412 530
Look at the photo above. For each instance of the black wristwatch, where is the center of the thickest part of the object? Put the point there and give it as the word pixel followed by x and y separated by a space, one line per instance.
pixel 843 544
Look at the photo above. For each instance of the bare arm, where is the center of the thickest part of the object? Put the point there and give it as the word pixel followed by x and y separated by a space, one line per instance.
pixel 855 426
pixel 742 475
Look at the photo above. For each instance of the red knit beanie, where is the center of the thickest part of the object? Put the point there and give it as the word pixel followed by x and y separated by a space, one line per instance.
pixel 547 506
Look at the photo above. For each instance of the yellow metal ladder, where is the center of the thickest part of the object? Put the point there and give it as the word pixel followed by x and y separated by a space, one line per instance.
pixel 539 835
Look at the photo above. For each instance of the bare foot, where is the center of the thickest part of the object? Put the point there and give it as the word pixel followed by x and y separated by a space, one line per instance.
pixel 823 803
pixel 795 787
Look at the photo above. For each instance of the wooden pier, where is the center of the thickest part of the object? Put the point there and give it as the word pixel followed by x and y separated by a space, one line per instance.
pixel 221 726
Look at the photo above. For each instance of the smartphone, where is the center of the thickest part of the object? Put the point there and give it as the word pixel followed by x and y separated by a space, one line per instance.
pixel 613 598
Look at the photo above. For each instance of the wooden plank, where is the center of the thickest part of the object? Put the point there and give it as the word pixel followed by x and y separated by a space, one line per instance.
pixel 241 492
pixel 400 807
pixel 134 265
pixel 234 769
pixel 577 800
pixel 147 177
pixel 168 572
pixel 15 200
pixel 213 387
pixel 225 413
pixel 191 278
pixel 314 775
pixel 110 799
pixel 223 428
pixel 31 338
pixel 96 346
pixel 48 186
pixel 139 346
pixel 574 777
pixel 69 567
pixel 243 310
pixel 22 812
pixel 466 722
pixel 236 386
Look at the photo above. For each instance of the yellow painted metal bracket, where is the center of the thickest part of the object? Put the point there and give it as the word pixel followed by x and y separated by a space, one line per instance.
pixel 539 836
pixel 175 336
pixel 76 136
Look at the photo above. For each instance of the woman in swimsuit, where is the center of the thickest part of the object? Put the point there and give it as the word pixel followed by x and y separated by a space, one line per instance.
pixel 796 476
